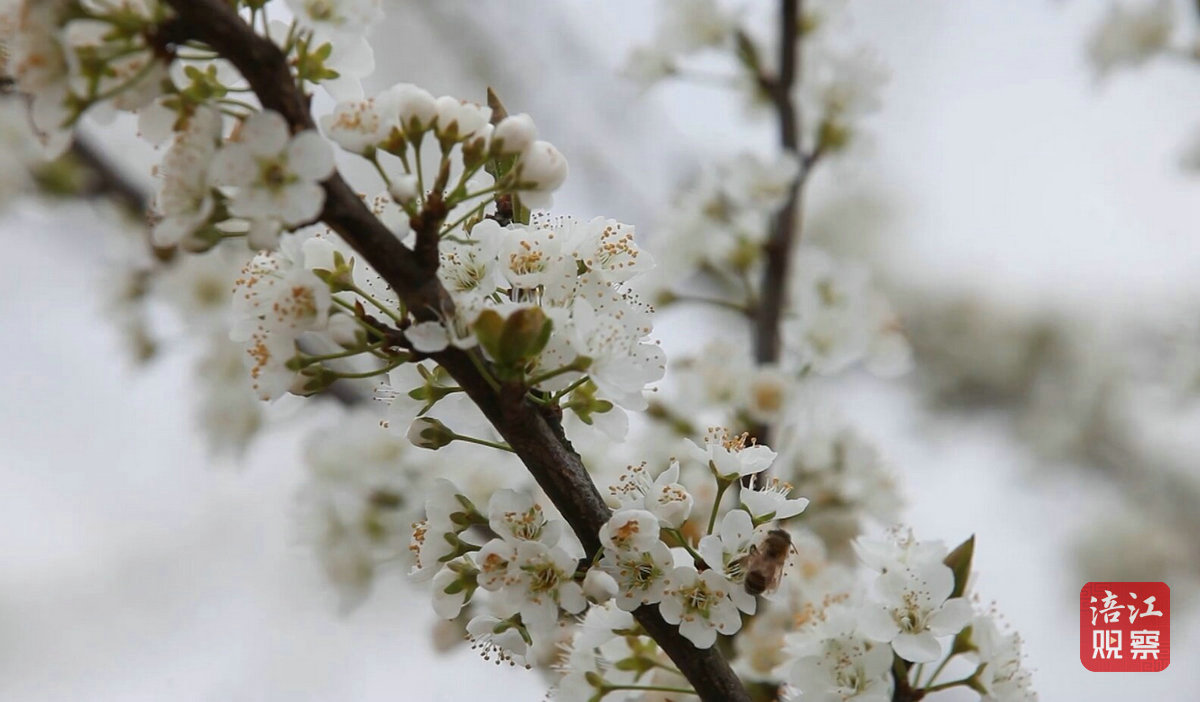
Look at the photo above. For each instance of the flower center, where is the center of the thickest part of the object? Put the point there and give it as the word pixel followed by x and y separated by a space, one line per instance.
pixel 274 175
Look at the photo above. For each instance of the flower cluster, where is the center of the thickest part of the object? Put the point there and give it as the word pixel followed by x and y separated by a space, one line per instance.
pixel 546 303
pixel 542 308
pixel 357 505
pixel 524 576
pixel 69 55
pixel 838 88
pixel 829 632
pixel 722 220
pixel 854 646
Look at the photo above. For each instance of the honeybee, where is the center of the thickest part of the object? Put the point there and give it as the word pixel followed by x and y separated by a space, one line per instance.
pixel 765 562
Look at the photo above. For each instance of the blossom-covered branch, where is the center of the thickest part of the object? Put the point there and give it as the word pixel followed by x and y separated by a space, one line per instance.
pixel 493 327
pixel 533 434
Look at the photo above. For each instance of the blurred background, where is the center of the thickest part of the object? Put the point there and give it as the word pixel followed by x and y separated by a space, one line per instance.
pixel 1032 223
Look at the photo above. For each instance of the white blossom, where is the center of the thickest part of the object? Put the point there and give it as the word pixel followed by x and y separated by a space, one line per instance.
pixel 834 662
pixel 501 638
pixel 609 327
pixel 767 393
pixel 471 269
pixel 998 655
pixel 688 25
pixel 38 61
pixel 635 557
pixel 765 185
pixel 359 125
pixel 629 530
pixel 606 247
pixel 912 608
pixel 771 499
pixel 841 88
pixel 537 581
pixel 839 470
pixel 429 544
pixel 185 199
pixel 700 604
pixel 724 551
pixel 594 651
pixel 516 517
pixel 277 175
pixel 729 456
pixel 664 496
pixel 275 301
pixel 355 506
pixel 836 313
pixel 647 65
pixel 337 16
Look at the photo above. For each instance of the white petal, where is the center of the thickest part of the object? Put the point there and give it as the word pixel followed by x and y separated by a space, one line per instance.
pixel 265 133
pixel 755 459
pixel 428 337
pixel 310 156
pixel 233 165
pixel 698 632
pixel 876 623
pixel 301 203
pixel 951 617
pixel 263 234
pixel 917 648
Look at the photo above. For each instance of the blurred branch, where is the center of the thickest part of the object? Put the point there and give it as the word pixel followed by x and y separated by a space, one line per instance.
pixel 535 434
pixel 785 231
pixel 108 180
pixel 105 179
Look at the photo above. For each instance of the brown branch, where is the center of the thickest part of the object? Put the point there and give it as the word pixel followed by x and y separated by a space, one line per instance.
pixel 108 181
pixel 535 435
pixel 785 230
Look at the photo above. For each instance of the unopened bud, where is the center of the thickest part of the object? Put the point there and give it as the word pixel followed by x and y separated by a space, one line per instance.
pixel 404 189
pixel 429 433
pixel 514 135
pixel 541 167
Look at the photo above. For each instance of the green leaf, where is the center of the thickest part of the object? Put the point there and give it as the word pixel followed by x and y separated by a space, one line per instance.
pixel 959 561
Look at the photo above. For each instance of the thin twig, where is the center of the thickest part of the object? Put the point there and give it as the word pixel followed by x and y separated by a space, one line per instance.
pixel 786 229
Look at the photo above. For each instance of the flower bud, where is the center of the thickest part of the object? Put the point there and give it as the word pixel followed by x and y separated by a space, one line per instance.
pixel 458 119
pixel 542 167
pixel 415 107
pixel 510 342
pixel 514 135
pixel 429 433
pixel 404 189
